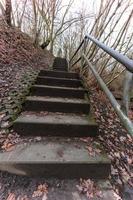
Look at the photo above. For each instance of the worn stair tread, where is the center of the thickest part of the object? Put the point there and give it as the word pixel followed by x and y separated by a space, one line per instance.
pixel 60 78
pixel 56 157
pixel 56 104
pixel 55 124
pixel 56 118
pixel 57 99
pixel 57 91
pixel 53 81
pixel 54 149
pixel 57 87
pixel 60 68
pixel 58 74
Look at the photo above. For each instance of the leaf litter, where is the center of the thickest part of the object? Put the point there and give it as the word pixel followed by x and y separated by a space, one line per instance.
pixel 89 188
pixel 42 190
pixel 115 140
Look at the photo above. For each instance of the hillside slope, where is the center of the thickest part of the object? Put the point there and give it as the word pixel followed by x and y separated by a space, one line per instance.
pixel 17 56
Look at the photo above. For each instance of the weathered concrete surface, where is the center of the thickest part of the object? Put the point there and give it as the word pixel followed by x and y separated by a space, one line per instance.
pixel 60 157
pixel 55 124
pixel 67 190
pixel 56 157
pixel 53 104
pixel 59 74
pixel 57 99
pixel 54 91
pixel 45 80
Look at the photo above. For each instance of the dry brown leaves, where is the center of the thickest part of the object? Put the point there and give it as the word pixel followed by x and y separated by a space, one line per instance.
pixel 12 196
pixel 91 146
pixel 42 190
pixel 89 188
pixel 7 146
pixel 116 141
pixel 8 141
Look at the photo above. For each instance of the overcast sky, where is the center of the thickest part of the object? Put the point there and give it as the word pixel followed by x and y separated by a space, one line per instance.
pixel 90 6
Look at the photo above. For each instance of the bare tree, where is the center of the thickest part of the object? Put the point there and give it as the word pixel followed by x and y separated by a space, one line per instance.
pixel 8 12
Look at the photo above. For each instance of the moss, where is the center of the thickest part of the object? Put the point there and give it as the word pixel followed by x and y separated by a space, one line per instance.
pixel 14 106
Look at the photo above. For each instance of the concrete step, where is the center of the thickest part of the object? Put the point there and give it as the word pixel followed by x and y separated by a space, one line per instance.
pixel 45 80
pixel 58 189
pixel 54 91
pixel 59 74
pixel 53 104
pixel 55 124
pixel 62 158
pixel 60 64
pixel 61 68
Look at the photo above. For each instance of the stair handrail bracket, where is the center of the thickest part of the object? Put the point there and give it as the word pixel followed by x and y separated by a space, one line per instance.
pixel 124 60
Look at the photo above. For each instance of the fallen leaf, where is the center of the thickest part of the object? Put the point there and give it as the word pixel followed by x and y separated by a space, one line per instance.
pixel 23 198
pixel 11 197
pixel 89 188
pixel 37 193
pixel 41 190
pixel 44 197
pixel 8 146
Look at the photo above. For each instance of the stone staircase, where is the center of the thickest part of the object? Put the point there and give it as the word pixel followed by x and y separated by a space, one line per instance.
pixel 58 110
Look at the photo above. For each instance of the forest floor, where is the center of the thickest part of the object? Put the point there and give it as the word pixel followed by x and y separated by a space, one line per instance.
pixel 17 56
pixel 17 53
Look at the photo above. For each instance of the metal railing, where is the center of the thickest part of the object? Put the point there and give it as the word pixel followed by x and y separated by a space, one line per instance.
pixel 124 60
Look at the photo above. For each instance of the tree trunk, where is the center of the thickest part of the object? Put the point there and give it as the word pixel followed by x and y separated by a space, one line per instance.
pixel 51 46
pixel 128 83
pixel 8 12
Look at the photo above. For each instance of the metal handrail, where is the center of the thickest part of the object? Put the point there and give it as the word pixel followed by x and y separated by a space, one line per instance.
pixel 124 60
pixel 128 63
pixel 125 120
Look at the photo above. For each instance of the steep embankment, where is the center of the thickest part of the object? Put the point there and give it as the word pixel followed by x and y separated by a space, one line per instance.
pixel 19 63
